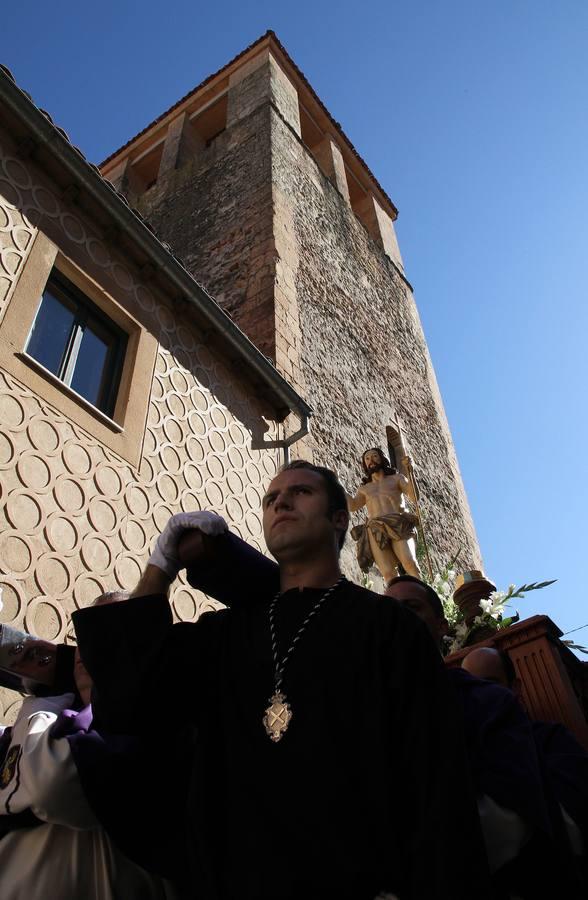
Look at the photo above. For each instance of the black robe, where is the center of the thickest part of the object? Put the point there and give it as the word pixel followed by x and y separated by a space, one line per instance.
pixel 366 792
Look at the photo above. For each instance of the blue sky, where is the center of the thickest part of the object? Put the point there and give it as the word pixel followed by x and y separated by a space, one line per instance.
pixel 473 116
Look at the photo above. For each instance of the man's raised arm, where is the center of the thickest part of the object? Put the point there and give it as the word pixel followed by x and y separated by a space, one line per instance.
pixel 165 562
pixel 131 649
pixel 218 562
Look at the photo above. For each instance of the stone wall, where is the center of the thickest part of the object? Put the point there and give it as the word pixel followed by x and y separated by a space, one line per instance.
pixel 76 518
pixel 361 346
pixel 271 237
pixel 216 213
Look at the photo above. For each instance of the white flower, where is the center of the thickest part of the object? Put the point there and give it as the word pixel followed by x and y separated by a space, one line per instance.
pixel 486 606
pixel 451 574
pixel 497 611
pixel 461 633
pixel 497 597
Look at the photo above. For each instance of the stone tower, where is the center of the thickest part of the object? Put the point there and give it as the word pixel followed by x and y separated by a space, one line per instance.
pixel 259 192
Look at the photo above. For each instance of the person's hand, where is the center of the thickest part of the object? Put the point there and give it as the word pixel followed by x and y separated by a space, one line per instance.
pixel 166 555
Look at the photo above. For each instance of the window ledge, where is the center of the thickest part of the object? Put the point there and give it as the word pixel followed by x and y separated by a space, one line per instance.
pixel 102 417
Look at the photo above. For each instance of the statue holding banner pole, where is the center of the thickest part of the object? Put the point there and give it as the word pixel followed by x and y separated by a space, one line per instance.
pixel 387 538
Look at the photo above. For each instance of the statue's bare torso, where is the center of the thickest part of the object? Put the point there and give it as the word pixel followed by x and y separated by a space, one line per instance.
pixel 381 498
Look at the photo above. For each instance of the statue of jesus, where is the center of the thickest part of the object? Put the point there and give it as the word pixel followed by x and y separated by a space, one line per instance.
pixel 387 538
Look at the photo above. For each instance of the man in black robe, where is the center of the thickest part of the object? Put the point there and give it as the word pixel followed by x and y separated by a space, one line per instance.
pixel 352 801
pixel 522 789
pixel 563 761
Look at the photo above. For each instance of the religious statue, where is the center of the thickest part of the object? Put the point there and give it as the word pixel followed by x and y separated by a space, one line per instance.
pixel 386 540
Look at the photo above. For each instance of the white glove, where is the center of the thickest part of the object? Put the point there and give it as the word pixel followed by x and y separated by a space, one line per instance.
pixel 165 555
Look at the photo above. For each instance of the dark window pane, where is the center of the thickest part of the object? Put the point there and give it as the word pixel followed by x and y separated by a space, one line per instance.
pixel 88 377
pixel 78 343
pixel 51 332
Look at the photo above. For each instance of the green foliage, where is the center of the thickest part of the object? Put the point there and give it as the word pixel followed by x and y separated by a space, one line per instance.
pixel 492 609
pixel 366 581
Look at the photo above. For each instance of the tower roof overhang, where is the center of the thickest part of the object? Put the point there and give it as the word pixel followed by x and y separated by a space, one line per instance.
pixel 213 84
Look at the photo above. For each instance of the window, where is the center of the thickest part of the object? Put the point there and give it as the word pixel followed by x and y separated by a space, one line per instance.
pixel 75 341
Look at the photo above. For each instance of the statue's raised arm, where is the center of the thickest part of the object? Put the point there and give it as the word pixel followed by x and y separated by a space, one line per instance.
pixel 355 503
pixel 386 540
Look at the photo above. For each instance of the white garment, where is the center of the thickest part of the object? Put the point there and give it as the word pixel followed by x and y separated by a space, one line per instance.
pixel 70 857
pixel 505 833
pixel 574 833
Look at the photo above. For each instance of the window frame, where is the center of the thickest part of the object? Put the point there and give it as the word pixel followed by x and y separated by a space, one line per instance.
pixel 124 432
pixel 86 314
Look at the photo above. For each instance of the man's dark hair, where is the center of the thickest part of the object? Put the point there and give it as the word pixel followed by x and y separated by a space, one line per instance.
pixel 335 492
pixel 388 468
pixel 432 595
pixel 508 666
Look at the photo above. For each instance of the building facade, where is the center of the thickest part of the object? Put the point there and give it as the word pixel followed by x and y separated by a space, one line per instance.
pixel 89 477
pixel 129 392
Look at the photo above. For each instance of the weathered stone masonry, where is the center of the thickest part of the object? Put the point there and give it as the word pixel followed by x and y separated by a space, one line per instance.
pixel 280 247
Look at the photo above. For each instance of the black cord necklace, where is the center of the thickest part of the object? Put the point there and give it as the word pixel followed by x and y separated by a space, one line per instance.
pixel 279 713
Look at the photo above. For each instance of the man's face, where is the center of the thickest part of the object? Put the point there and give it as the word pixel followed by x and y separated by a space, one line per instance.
pixel 412 595
pixel 372 460
pixel 296 515
pixel 485 663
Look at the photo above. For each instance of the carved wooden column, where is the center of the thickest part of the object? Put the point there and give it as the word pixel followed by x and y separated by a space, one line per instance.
pixel 554 681
pixel 471 587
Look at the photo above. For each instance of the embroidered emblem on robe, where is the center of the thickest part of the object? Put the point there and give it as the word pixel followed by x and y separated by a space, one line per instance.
pixel 9 767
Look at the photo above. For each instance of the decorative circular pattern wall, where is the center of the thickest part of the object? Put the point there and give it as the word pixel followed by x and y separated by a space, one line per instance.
pixel 76 519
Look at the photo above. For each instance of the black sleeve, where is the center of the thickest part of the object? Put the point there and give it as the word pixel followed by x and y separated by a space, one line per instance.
pixel 439 825
pixel 63 681
pixel 565 763
pixel 502 753
pixel 140 662
pixel 64 670
pixel 236 571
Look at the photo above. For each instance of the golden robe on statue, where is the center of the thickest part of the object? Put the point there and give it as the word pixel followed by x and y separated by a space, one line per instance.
pixel 384 530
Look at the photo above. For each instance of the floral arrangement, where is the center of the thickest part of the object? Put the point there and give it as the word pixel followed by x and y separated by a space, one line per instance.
pixel 492 610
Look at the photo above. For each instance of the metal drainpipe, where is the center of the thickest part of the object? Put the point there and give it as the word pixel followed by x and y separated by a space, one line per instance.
pixel 294 438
